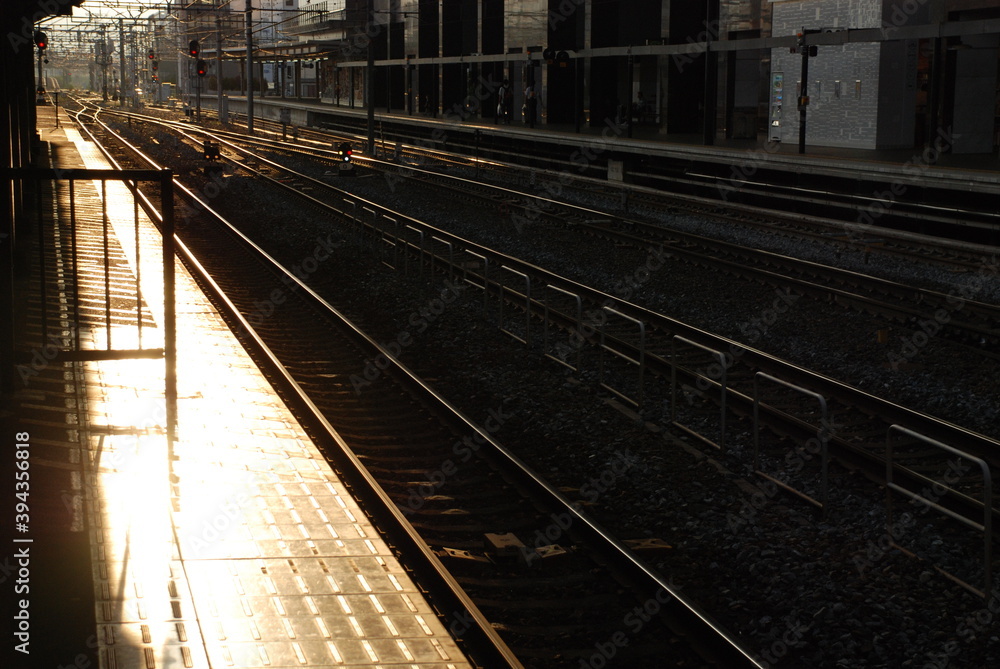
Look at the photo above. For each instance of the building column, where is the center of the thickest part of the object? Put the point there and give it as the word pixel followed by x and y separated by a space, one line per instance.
pixel 711 73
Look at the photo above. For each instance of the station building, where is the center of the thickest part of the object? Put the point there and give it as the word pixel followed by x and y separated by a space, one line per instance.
pixel 886 74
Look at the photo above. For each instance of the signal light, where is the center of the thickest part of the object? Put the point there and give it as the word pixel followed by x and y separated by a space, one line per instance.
pixel 41 41
pixel 193 48
pixel 210 150
pixel 202 68
pixel 156 65
pixel 151 54
pixel 345 152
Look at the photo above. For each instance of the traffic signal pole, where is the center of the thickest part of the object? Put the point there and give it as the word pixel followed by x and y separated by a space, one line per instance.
pixel 218 65
pixel 249 12
pixel 41 81
pixel 803 97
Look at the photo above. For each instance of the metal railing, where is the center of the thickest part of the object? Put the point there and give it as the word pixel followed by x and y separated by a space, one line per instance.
pixel 822 439
pixel 80 238
pixel 930 499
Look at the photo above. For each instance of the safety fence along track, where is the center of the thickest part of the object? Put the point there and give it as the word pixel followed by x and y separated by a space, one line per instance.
pixel 733 398
pixel 468 498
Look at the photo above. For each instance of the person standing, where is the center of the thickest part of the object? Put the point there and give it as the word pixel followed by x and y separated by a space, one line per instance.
pixel 530 105
pixel 504 97
pixel 639 108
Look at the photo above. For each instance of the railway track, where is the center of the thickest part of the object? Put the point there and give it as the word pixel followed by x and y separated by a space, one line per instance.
pixel 620 200
pixel 951 315
pixel 738 188
pixel 878 219
pixel 700 366
pixel 405 434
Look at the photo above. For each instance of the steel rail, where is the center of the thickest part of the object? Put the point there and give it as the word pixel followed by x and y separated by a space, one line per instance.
pixel 712 640
pixel 585 216
pixel 895 413
pixel 711 207
pixel 446 593
pixel 888 411
pixel 683 162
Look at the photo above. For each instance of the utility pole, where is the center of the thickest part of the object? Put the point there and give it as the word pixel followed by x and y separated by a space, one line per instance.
pixel 40 83
pixel 198 83
pixel 105 59
pixel 133 92
pixel 157 88
pixel 249 13
pixel 807 52
pixel 218 64
pixel 121 62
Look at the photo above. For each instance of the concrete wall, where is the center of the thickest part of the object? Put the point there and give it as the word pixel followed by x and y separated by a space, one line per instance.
pixel 861 95
pixel 844 115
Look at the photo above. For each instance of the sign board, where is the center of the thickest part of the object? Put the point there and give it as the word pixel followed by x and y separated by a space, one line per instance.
pixel 777 100
pixel 616 170
pixel 285 115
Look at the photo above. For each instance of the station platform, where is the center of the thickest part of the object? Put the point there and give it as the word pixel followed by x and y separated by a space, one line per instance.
pixel 741 159
pixel 234 546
